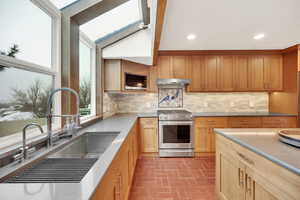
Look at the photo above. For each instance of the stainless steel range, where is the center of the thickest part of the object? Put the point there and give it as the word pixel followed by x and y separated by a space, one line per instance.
pixel 175 133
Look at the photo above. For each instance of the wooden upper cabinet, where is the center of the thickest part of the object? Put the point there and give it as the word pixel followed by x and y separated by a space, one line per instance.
pixel 211 65
pixel 179 66
pixel 197 73
pixel 273 72
pixel 225 73
pixel 222 72
pixel 265 72
pixel 240 73
pixel 256 73
pixel 164 69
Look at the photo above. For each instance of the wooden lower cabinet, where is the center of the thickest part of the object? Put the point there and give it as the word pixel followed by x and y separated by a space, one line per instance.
pixel 117 180
pixel 149 135
pixel 204 135
pixel 245 175
pixel 204 140
pixel 279 122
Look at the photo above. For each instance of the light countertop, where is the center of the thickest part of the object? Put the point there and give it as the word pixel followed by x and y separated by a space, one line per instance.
pixel 265 142
pixel 75 191
pixel 225 114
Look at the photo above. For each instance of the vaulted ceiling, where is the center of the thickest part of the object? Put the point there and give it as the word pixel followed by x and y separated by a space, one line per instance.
pixel 230 24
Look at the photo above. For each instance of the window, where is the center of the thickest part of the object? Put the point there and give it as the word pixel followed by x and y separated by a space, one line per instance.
pixel 23 101
pixel 25 32
pixel 29 66
pixel 113 20
pixel 87 76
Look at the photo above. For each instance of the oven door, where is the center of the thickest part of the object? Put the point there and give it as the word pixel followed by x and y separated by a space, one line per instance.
pixel 176 134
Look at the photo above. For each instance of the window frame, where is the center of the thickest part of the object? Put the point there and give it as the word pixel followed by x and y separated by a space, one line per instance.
pixel 92 45
pixel 55 69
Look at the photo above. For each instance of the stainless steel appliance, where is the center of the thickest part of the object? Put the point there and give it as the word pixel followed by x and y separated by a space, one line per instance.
pixel 175 133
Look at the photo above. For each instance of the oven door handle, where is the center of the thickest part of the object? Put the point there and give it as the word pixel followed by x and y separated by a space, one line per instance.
pixel 176 123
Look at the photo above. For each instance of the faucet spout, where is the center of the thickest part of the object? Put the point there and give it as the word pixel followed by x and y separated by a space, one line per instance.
pixel 24 148
pixel 50 115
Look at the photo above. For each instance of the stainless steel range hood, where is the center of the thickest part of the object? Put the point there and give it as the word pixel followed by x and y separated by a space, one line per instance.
pixel 172 83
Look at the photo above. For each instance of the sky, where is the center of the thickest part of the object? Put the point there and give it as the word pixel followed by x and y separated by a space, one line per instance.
pixel 113 20
pixel 30 28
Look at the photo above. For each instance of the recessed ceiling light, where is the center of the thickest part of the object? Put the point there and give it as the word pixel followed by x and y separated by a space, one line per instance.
pixel 191 36
pixel 259 36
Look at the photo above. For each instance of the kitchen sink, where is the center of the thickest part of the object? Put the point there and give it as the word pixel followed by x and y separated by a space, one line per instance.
pixel 70 163
pixel 89 145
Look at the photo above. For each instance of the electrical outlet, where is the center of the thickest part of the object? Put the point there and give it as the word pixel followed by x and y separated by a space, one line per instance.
pixel 251 104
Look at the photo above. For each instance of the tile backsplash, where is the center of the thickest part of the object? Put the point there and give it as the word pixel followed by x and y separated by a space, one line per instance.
pixel 195 102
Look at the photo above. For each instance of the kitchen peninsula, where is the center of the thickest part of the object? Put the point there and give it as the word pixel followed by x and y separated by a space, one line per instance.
pixel 254 164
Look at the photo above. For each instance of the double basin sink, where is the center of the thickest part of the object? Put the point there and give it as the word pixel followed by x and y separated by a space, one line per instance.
pixel 69 163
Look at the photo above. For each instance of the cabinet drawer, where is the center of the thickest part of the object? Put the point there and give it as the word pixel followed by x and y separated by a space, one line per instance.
pixel 211 122
pixel 279 122
pixel 149 122
pixel 245 122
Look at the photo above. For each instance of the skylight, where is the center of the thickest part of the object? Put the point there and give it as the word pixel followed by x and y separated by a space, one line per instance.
pixel 113 20
pixel 62 3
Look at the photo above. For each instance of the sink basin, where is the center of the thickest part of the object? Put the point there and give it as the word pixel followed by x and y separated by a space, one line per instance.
pixel 69 164
pixel 89 145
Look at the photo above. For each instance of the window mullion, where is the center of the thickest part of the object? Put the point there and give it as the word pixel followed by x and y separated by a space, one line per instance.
pixel 20 64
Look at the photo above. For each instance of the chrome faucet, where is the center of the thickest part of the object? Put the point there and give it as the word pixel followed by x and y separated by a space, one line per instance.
pixel 50 115
pixel 25 148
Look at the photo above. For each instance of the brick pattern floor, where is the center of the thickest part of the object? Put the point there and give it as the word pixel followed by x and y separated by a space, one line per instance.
pixel 174 179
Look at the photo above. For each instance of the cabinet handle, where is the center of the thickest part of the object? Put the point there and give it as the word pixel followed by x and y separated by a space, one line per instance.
pixel 249 161
pixel 249 185
pixel 241 177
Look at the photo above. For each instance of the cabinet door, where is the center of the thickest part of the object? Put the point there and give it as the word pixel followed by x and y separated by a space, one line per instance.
pixel 273 72
pixel 230 178
pixel 212 136
pixel 179 66
pixel 211 63
pixel 240 79
pixel 255 190
pixel 202 140
pixel 149 135
pixel 225 73
pixel 164 67
pixel 261 194
pixel 256 73
pixel 197 73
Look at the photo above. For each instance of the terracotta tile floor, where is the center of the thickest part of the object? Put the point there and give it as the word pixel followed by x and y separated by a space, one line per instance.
pixel 174 179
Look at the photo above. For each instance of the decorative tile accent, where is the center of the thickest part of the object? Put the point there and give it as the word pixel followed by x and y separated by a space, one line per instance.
pixel 195 102
pixel 170 98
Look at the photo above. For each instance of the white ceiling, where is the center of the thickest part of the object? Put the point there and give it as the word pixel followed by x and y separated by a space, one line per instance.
pixel 231 24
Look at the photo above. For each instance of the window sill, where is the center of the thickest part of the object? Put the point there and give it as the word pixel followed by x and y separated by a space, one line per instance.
pixel 86 121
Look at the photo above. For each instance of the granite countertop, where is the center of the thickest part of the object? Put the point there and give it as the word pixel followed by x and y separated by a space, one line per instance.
pixel 225 114
pixel 265 142
pixel 76 191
